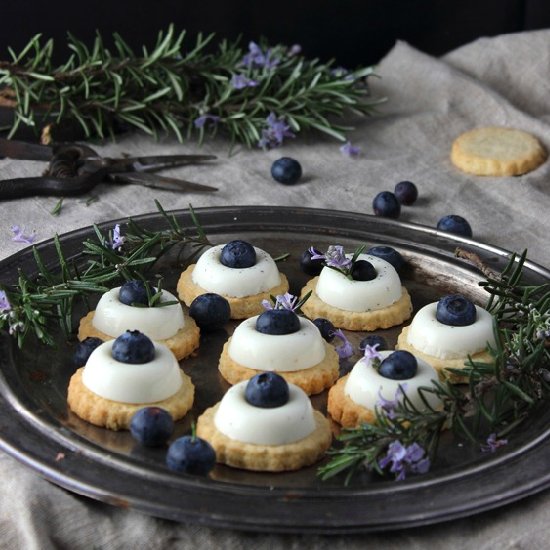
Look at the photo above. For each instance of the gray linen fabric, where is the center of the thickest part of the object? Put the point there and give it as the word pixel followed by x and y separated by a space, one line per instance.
pixel 499 81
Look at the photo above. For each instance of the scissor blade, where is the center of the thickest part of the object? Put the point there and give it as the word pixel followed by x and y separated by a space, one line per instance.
pixel 22 150
pixel 160 182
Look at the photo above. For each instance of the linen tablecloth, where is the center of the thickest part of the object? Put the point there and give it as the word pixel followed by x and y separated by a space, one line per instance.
pixel 502 81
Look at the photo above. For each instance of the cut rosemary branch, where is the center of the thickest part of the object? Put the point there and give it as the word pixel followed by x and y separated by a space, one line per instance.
pixel 256 97
pixel 28 306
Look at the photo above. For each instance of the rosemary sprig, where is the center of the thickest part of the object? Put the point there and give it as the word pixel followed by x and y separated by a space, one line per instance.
pixel 29 306
pixel 254 97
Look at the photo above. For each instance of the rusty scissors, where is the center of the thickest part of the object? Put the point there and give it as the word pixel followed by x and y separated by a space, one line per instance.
pixel 74 169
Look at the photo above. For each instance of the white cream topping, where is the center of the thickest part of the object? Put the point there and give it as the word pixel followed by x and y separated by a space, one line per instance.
pixel 210 274
pixel 145 383
pixel 335 289
pixel 364 385
pixel 113 317
pixel 277 352
pixel 239 420
pixel 428 335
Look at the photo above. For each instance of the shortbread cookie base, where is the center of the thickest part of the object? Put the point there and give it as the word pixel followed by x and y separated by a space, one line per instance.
pixel 241 308
pixel 312 380
pixel 441 365
pixel 495 151
pixel 344 410
pixel 387 317
pixel 116 415
pixel 266 458
pixel 182 344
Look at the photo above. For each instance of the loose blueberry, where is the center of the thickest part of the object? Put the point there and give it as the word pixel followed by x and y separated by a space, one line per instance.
pixel 210 311
pixel 286 171
pixel 84 350
pixel 406 192
pixel 309 266
pixel 133 347
pixel 278 321
pixel 389 254
pixel 385 204
pixel 152 426
pixel 456 311
pixel 238 254
pixel 133 292
pixel 326 328
pixel 191 455
pixel 267 390
pixel 373 340
pixel 456 225
pixel 400 365
pixel 361 270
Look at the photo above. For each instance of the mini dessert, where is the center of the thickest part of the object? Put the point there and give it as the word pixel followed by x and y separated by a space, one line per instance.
pixel 280 340
pixel 243 274
pixel 265 424
pixel 126 308
pixel 124 375
pixel 377 378
pixel 357 292
pixel 445 333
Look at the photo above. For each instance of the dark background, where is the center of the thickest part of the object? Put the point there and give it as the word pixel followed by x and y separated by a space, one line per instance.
pixel 351 31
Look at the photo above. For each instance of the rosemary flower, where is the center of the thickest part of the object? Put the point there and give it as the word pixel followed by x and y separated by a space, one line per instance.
pixel 404 459
pixel 335 257
pixel 240 81
pixel 350 150
pixel 388 406
pixel 118 240
pixel 493 444
pixel 277 129
pixel 19 235
pixel 4 302
pixel 282 301
pixel 345 349
pixel 199 122
pixel 257 59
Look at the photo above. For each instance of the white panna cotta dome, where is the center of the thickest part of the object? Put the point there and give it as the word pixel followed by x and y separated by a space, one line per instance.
pixel 241 421
pixel 336 290
pixel 112 317
pixel 428 335
pixel 209 273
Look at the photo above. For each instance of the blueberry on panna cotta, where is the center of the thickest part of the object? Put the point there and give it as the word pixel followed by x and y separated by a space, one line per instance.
pixel 133 347
pixel 238 254
pixel 191 455
pixel 133 292
pixel 286 171
pixel 361 270
pixel 210 311
pixel 456 311
pixel 385 204
pixel 278 322
pixel 373 340
pixel 309 266
pixel 267 390
pixel 84 350
pixel 152 426
pixel 326 328
pixel 406 192
pixel 455 224
pixel 400 365
pixel 389 254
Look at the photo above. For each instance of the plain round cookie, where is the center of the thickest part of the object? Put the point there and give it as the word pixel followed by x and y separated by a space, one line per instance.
pixel 266 458
pixel 496 151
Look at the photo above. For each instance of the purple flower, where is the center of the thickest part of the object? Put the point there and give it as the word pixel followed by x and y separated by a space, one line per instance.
pixel 203 119
pixel 350 150
pixel 371 353
pixel 277 129
pixel 388 406
pixel 282 301
pixel 493 444
pixel 295 49
pixel 315 254
pixel 19 235
pixel 4 302
pixel 256 58
pixel 240 81
pixel 118 240
pixel 345 349
pixel 335 257
pixel 405 459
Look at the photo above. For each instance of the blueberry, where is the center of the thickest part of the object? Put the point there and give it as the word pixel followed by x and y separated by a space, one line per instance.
pixel 133 347
pixel 133 292
pixel 267 390
pixel 361 270
pixel 456 225
pixel 456 311
pixel 210 311
pixel 406 192
pixel 152 426
pixel 278 321
pixel 84 350
pixel 389 254
pixel 400 365
pixel 191 455
pixel 373 340
pixel 385 204
pixel 326 328
pixel 238 254
pixel 286 170
pixel 309 266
